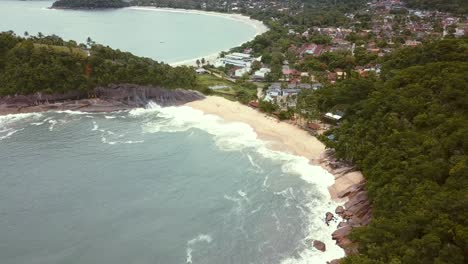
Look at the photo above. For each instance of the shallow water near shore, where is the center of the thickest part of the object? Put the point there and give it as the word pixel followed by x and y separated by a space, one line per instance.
pixel 165 36
pixel 155 185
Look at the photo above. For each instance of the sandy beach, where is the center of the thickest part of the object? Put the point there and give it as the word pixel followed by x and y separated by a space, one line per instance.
pixel 281 136
pixel 259 27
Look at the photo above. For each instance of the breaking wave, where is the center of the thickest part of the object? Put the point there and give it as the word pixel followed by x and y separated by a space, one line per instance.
pixel 236 136
pixel 200 238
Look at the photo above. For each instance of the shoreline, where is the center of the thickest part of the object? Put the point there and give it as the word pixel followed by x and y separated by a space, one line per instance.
pixel 348 187
pixel 259 27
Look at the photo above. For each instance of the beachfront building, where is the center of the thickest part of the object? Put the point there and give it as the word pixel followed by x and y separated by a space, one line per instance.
pixel 238 59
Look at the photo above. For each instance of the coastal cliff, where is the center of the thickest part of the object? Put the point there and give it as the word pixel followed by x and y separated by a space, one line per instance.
pixel 349 186
pixel 101 99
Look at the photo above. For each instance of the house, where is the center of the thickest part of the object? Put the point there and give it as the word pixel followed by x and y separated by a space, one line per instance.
pixel 311 49
pixel 316 86
pixel 340 73
pixel 261 73
pixel 412 43
pixel 304 86
pixel 239 73
pixel 334 117
pixel 290 91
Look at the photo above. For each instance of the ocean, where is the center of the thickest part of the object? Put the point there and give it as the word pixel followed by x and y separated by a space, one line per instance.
pixel 151 185
pixel 164 36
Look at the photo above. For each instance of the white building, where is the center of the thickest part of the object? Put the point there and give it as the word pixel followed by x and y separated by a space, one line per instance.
pixel 241 72
pixel 238 59
pixel 261 73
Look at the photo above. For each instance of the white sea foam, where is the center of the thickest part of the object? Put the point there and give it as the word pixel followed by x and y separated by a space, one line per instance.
pixel 95 126
pixel 235 136
pixel 200 238
pixel 255 165
pixel 11 118
pixel 72 112
pixel 265 180
pixel 9 132
pixel 52 124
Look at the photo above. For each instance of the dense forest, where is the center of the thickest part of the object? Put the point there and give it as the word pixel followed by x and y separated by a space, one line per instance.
pixel 453 6
pixel 89 4
pixel 408 132
pixel 49 64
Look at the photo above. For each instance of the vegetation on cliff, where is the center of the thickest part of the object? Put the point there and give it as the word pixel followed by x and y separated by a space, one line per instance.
pixel 52 65
pixel 407 132
pixel 89 4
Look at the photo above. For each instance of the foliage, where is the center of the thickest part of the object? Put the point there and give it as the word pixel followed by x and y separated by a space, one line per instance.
pixel 408 134
pixel 91 4
pixel 453 6
pixel 50 64
pixel 267 107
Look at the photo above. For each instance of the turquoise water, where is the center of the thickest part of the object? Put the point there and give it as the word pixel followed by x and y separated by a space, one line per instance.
pixel 165 36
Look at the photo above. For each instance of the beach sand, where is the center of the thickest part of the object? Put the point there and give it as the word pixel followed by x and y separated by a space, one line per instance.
pixel 281 136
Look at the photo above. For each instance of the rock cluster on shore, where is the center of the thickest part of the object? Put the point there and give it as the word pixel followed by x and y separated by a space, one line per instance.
pixel 357 210
pixel 101 99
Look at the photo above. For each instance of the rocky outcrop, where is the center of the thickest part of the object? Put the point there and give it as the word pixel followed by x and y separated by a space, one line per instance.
pixel 101 99
pixel 137 95
pixel 319 245
pixel 328 218
pixel 349 186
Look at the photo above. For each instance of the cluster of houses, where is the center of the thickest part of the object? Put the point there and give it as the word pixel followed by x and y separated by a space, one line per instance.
pixel 237 5
pixel 391 25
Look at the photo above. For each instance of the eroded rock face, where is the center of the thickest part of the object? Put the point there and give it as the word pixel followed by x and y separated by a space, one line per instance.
pixel 138 96
pixel 319 245
pixel 102 99
pixel 339 210
pixel 349 185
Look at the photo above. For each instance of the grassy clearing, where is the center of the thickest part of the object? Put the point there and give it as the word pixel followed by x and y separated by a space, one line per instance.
pixel 235 91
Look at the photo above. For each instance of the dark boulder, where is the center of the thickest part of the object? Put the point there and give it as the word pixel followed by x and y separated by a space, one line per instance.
pixel 319 245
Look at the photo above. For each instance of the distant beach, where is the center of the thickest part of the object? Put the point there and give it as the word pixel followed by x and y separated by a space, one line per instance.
pixel 259 27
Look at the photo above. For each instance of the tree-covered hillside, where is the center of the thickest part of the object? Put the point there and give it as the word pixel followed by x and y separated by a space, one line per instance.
pixel 453 6
pixel 408 133
pixel 49 64
pixel 89 4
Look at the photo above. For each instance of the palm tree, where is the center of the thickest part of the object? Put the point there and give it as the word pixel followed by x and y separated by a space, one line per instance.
pixel 198 63
pixel 203 61
pixel 26 34
pixel 40 35
pixel 89 41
